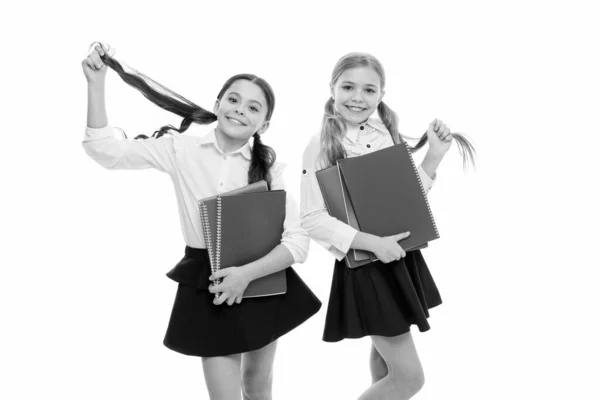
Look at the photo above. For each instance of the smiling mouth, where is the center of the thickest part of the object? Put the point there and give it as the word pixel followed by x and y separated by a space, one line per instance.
pixel 355 110
pixel 234 121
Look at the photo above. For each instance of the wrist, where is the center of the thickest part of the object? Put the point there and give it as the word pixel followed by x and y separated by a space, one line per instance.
pixel 96 86
pixel 247 272
pixel 371 242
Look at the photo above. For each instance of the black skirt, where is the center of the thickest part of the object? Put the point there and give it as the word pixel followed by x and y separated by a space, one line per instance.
pixel 197 327
pixel 380 299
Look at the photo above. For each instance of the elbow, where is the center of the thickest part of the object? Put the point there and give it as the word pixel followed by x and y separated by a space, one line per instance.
pixel 298 247
pixel 103 158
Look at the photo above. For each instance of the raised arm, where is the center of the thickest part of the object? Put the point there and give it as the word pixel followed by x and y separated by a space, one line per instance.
pixel 100 142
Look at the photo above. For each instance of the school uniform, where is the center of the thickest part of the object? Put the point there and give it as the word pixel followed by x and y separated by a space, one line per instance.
pixel 198 168
pixel 375 299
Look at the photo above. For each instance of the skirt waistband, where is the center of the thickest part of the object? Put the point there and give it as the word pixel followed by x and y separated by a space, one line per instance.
pixel 193 252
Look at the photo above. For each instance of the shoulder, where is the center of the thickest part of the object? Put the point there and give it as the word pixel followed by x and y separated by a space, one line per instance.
pixel 278 168
pixel 277 179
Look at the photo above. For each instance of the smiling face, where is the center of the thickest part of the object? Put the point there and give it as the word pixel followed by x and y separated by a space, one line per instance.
pixel 241 111
pixel 356 94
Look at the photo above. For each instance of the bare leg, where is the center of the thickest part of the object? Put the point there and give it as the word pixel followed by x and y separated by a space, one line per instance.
pixel 257 373
pixel 379 368
pixel 405 373
pixel 222 376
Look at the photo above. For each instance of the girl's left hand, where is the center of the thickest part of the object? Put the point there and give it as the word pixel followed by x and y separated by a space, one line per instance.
pixel 232 287
pixel 439 137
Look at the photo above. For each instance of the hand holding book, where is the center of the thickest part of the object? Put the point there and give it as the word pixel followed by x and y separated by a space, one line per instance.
pixel 230 284
pixel 385 248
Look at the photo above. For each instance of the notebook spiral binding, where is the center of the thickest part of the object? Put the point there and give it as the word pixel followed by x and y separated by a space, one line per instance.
pixel 214 255
pixel 422 188
pixel 218 239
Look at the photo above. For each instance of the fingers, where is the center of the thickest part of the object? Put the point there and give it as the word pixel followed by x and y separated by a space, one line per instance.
pixel 95 57
pixel 221 299
pixel 401 236
pixel 445 135
pixel 88 63
pixel 218 275
pixel 227 297
pixel 215 288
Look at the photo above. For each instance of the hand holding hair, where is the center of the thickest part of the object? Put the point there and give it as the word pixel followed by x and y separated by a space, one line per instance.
pixel 94 68
pixel 439 137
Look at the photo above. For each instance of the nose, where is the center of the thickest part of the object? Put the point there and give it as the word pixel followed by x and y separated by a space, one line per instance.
pixel 239 110
pixel 357 96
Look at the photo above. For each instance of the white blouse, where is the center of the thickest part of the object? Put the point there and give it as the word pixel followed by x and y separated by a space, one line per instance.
pixel 331 233
pixel 198 168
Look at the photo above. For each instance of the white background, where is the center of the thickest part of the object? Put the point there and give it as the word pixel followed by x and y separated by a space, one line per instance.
pixel 84 301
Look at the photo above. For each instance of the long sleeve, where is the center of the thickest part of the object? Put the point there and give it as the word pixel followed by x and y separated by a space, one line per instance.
pixel 113 153
pixel 294 237
pixel 331 233
pixel 426 181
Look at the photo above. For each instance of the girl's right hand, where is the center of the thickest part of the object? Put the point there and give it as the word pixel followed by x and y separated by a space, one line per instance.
pixel 93 67
pixel 387 249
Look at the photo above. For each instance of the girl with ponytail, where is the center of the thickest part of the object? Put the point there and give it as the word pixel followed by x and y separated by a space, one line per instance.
pixel 236 339
pixel 383 299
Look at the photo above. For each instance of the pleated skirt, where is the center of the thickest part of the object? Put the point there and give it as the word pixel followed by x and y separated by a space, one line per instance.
pixel 197 327
pixel 380 299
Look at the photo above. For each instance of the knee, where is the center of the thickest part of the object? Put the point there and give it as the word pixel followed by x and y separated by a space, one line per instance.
pixel 257 388
pixel 411 383
pixel 408 383
pixel 416 382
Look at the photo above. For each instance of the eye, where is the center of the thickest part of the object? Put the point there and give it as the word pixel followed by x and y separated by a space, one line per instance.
pixel 253 108
pixel 232 100
pixel 369 90
pixel 347 87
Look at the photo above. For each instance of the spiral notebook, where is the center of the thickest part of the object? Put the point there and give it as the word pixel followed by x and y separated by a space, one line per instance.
pixel 379 193
pixel 243 227
pixel 335 195
pixel 388 197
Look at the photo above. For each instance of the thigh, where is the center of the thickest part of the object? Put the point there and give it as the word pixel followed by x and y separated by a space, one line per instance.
pixel 222 376
pixel 257 365
pixel 400 355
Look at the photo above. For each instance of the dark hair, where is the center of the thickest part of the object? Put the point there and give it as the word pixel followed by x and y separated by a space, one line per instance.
pixel 263 157
pixel 334 128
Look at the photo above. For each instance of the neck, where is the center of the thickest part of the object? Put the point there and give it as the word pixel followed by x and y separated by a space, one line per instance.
pixel 352 125
pixel 227 144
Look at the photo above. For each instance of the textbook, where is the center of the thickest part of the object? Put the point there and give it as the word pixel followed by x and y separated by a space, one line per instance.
pixel 242 227
pixel 338 206
pixel 383 193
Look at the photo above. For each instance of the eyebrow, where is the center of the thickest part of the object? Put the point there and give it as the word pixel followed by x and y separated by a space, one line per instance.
pixel 252 100
pixel 353 83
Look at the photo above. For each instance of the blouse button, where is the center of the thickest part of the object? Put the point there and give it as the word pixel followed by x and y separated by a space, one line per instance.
pixel 303 171
pixel 221 184
pixel 362 128
pixel 369 146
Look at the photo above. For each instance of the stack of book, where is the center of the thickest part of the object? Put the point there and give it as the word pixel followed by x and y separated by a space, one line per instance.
pixel 379 193
pixel 243 226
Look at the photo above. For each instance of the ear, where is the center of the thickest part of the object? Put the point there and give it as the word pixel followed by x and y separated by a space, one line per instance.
pixel 332 92
pixel 381 97
pixel 216 107
pixel 263 128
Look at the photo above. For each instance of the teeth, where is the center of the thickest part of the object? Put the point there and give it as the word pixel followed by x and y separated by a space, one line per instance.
pixel 234 121
pixel 355 109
